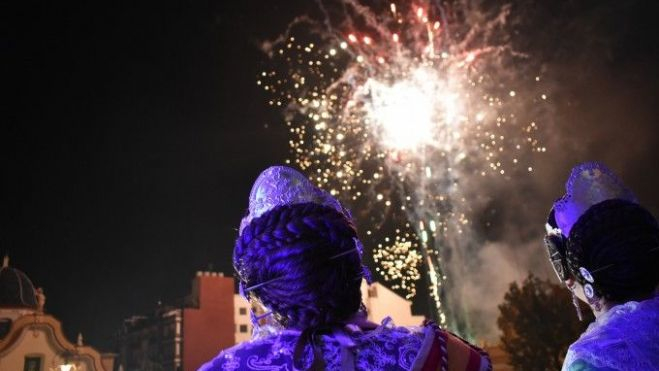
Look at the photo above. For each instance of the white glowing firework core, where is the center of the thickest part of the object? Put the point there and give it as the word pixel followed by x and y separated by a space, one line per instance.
pixel 413 110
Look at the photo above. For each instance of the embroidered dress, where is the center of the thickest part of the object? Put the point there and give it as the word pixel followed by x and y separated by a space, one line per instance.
pixel 387 347
pixel 624 338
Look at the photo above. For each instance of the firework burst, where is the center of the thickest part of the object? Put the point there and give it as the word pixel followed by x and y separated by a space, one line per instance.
pixel 392 109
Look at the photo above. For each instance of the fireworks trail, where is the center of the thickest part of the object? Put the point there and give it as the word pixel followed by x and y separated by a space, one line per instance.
pixel 394 108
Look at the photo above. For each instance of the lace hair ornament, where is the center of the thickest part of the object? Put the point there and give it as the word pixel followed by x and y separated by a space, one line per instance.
pixel 282 185
pixel 590 183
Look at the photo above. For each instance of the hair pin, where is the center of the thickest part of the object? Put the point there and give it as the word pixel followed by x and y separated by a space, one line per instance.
pixel 611 265
pixel 254 287
pixel 344 253
pixel 602 268
pixel 262 316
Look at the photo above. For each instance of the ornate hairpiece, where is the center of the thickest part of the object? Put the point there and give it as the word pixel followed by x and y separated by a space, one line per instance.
pixel 590 183
pixel 282 185
pixel 586 275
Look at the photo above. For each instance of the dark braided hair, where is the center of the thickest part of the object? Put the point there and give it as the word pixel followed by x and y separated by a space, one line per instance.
pixel 292 246
pixel 616 241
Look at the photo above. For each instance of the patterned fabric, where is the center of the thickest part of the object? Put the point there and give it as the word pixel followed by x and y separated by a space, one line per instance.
pixel 590 183
pixel 624 338
pixel 385 348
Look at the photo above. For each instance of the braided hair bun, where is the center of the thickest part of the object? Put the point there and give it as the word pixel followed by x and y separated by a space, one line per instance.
pixel 293 248
pixel 617 242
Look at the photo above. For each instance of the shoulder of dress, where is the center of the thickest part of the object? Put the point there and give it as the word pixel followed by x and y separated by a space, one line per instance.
pixel 581 365
pixel 225 356
pixel 234 355
pixel 396 332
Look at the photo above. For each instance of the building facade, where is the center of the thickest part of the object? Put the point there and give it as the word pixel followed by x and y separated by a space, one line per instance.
pixel 32 340
pixel 381 302
pixel 152 343
pixel 242 320
pixel 185 337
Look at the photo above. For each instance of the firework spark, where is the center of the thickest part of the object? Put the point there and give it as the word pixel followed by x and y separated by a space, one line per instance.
pixel 391 110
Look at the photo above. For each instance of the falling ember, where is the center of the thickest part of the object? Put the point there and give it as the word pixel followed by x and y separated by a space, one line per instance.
pixel 398 119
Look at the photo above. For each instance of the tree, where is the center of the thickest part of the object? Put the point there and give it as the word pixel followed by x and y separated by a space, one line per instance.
pixel 538 322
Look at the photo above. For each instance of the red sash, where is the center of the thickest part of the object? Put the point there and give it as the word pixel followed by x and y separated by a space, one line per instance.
pixel 435 355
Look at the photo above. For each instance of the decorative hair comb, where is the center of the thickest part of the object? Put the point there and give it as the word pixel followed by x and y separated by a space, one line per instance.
pixel 590 183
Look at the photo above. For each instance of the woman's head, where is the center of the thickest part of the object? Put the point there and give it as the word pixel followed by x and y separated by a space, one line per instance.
pixel 617 242
pixel 599 238
pixel 308 255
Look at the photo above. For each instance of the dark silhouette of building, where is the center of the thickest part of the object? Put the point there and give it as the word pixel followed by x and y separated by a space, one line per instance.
pixel 181 338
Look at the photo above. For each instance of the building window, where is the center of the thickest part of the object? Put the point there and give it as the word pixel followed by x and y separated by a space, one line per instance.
pixel 242 311
pixel 243 328
pixel 32 363
pixel 5 325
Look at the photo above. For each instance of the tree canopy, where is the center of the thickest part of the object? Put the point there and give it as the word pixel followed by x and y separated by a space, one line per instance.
pixel 538 322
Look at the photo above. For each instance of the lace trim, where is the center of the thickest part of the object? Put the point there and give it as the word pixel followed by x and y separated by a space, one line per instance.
pixel 590 183
pixel 624 338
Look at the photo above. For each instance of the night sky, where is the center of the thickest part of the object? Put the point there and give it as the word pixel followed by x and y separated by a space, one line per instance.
pixel 132 132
